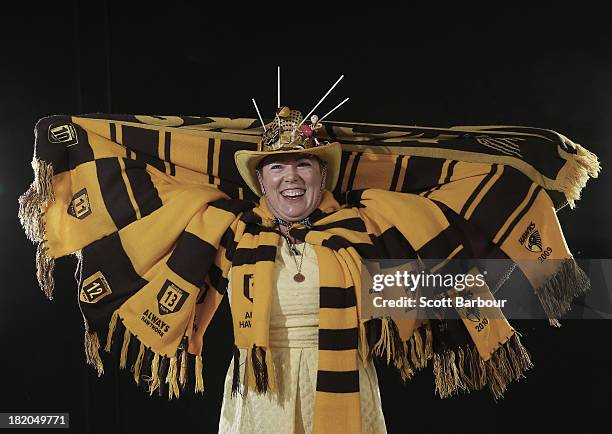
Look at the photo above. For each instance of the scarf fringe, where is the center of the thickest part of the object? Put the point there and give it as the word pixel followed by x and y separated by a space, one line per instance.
pixel 153 380
pixel 580 167
pixel 138 363
pixel 363 341
pixel 557 294
pixel 446 373
pixel 31 205
pixel 45 264
pixel 465 370
pixel 408 356
pixel 260 370
pixel 236 373
pixel 111 330
pixel 175 376
pixel 384 343
pixel 172 379
pixel 172 376
pixel 183 370
pixel 30 214
pixel 199 376
pixel 92 352
pixel 428 343
pixel 457 370
pixel 124 348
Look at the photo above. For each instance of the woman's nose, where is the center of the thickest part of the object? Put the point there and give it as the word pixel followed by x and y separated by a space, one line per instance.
pixel 291 173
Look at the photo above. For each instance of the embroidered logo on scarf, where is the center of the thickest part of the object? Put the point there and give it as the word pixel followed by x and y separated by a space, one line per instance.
pixel 63 134
pixel 246 324
pixel 94 288
pixel 248 287
pixel 504 145
pixel 531 239
pixel 79 206
pixel 473 312
pixel 156 323
pixel 170 298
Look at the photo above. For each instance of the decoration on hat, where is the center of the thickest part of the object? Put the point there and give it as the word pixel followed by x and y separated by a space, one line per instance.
pixel 289 131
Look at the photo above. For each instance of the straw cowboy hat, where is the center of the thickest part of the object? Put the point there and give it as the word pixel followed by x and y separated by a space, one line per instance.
pixel 289 134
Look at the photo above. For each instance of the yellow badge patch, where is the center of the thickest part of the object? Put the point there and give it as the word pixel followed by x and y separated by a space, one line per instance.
pixel 94 288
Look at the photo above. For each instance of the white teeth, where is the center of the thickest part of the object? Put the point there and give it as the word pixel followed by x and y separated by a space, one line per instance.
pixel 293 193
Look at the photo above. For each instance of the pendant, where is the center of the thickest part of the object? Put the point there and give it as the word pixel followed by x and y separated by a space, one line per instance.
pixel 299 277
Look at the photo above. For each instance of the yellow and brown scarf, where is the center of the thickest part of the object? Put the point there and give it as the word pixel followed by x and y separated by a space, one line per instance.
pixel 157 214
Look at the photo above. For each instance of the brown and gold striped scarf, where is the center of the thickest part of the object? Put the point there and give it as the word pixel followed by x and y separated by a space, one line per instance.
pixel 157 214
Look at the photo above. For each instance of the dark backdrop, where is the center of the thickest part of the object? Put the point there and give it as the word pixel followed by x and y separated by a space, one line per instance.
pixel 547 68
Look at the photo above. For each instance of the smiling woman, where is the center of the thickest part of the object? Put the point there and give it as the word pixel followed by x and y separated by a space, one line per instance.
pixel 291 171
pixel 292 184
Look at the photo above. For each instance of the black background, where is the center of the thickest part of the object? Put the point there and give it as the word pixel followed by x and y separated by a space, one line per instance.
pixel 548 68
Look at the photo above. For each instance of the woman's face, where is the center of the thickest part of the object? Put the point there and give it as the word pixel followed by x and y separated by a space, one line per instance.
pixel 292 185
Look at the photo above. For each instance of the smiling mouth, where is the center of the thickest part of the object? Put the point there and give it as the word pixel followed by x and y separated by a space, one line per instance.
pixel 293 194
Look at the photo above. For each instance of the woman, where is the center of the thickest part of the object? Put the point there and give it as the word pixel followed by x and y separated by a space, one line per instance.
pixel 292 185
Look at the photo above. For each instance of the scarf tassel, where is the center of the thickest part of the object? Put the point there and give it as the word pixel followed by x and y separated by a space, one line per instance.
pixel 260 370
pixel 557 294
pixel 579 168
pixel 159 375
pixel 363 343
pixel 199 376
pixel 92 352
pixel 124 349
pixel 172 379
pixel 138 363
pixel 447 374
pixel 236 373
pixel 176 366
pixel 407 356
pixel 153 380
pixel 419 350
pixel 183 369
pixel 465 370
pixel 454 370
pixel 45 264
pixel 111 330
pixel 31 205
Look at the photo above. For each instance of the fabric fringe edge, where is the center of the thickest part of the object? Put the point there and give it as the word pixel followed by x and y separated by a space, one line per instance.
pixel 409 356
pixel 236 372
pixel 31 206
pixel 172 379
pixel 175 377
pixel 580 167
pixel 457 370
pixel 464 370
pixel 92 352
pixel 199 383
pixel 259 371
pixel 183 370
pixel 138 363
pixel 557 294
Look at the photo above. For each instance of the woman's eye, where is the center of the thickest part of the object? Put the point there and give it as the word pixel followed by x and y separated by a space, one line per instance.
pixel 304 164
pixel 275 166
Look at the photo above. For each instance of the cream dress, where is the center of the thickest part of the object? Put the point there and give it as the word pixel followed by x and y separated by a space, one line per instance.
pixel 294 323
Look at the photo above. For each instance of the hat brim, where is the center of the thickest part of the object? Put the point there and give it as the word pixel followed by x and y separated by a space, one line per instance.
pixel 247 161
